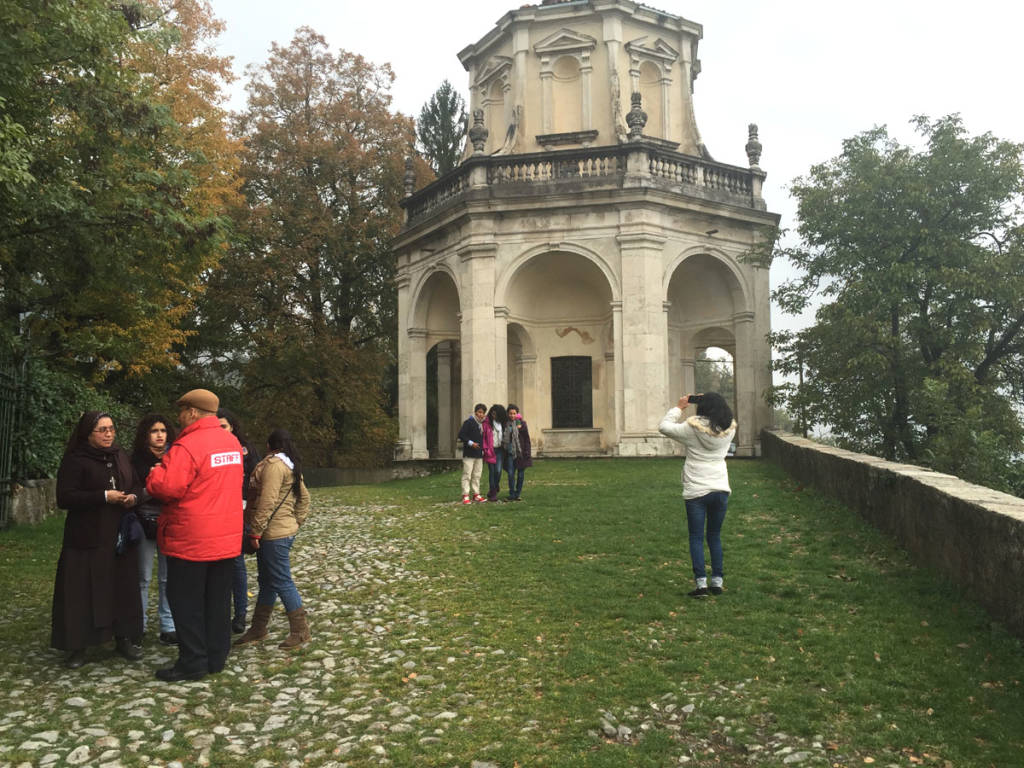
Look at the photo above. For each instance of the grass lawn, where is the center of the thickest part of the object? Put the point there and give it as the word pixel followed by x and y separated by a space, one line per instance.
pixel 557 632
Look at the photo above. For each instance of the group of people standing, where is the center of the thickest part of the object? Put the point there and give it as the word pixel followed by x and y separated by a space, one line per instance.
pixel 190 497
pixel 500 439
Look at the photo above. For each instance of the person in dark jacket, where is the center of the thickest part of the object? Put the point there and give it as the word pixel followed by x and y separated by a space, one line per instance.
pixel 518 451
pixel 199 481
pixel 95 594
pixel 472 439
pixel 153 436
pixel 250 458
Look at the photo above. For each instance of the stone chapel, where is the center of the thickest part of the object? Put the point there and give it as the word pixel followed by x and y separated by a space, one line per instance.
pixel 588 246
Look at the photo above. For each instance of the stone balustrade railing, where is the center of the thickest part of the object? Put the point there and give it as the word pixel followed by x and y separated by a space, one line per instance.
pixel 636 164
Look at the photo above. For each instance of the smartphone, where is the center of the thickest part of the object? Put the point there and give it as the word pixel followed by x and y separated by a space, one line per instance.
pixel 694 399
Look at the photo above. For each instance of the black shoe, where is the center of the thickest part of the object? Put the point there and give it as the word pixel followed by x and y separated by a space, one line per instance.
pixel 75 659
pixel 169 638
pixel 238 624
pixel 174 675
pixel 125 647
pixel 716 590
pixel 698 592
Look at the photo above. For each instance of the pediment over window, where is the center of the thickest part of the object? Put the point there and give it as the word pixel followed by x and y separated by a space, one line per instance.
pixel 496 67
pixel 565 41
pixel 659 50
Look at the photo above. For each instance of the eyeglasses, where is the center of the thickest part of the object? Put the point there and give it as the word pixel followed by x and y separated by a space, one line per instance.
pixel 105 430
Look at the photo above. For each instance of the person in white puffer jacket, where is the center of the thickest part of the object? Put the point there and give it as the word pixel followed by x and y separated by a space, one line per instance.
pixel 706 437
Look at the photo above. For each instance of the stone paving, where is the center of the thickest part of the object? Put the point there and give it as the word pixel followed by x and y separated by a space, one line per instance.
pixel 372 688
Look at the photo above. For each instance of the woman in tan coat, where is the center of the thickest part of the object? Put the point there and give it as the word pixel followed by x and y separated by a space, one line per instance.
pixel 277 506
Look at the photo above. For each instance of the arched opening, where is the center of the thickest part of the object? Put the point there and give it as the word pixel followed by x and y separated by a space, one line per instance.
pixel 714 371
pixel 437 315
pixel 705 299
pixel 559 307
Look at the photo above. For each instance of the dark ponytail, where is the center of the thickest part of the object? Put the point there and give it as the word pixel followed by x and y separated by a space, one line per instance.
pixel 280 441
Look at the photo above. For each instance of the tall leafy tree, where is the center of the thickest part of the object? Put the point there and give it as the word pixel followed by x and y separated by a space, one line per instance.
pixel 114 209
pixel 304 305
pixel 919 353
pixel 441 128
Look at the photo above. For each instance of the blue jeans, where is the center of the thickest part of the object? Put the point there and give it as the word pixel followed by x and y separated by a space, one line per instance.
pixel 240 587
pixel 710 509
pixel 515 478
pixel 147 548
pixel 273 559
pixel 495 473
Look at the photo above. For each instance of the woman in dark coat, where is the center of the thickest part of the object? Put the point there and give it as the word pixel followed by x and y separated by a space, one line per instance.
pixel 96 594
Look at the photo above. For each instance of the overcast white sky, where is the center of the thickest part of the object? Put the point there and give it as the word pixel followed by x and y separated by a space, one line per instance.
pixel 809 72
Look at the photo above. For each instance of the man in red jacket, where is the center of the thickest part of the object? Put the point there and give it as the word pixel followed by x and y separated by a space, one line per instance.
pixel 199 529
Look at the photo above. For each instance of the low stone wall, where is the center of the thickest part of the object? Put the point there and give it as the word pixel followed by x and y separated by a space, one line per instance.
pixel 34 501
pixel 398 470
pixel 972 534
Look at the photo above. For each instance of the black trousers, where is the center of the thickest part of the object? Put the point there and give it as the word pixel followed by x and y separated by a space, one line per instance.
pixel 199 594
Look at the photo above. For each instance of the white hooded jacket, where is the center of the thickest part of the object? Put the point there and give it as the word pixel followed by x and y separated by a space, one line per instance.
pixel 704 468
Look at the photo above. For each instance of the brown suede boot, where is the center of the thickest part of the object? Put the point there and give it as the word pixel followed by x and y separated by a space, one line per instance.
pixel 258 629
pixel 298 629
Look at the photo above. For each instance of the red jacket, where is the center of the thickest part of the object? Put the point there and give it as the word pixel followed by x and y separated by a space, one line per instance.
pixel 199 482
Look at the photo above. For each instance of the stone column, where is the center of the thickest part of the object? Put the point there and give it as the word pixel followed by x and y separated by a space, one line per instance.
pixel 689 380
pixel 501 354
pixel 644 342
pixel 445 438
pixel 530 404
pixel 547 83
pixel 479 353
pixel 403 448
pixel 744 365
pixel 417 399
pixel 619 380
pixel 586 70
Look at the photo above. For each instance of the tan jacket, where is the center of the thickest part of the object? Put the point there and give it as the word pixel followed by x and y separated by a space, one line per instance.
pixel 269 486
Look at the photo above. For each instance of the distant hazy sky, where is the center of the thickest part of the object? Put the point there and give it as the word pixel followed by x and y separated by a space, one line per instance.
pixel 810 73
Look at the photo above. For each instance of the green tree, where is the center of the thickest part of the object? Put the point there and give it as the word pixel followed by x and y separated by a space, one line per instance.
pixel 919 353
pixel 441 128
pixel 105 226
pixel 303 307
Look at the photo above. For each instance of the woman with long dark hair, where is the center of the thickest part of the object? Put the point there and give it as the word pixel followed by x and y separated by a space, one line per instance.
pixel 153 436
pixel 277 508
pixel 250 458
pixel 494 455
pixel 96 591
pixel 706 437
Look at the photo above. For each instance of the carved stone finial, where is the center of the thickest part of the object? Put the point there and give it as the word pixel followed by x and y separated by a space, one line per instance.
pixel 410 177
pixel 636 118
pixel 478 134
pixel 753 146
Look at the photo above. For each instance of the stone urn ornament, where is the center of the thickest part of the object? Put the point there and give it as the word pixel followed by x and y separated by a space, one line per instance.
pixel 478 133
pixel 636 118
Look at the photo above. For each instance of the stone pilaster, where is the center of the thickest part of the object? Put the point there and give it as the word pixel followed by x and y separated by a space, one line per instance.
pixel 744 365
pixel 417 400
pixel 644 343
pixel 479 353
pixel 445 438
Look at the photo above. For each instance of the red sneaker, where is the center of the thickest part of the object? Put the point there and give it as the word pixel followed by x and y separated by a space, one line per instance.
pixel 465 500
pixel 478 497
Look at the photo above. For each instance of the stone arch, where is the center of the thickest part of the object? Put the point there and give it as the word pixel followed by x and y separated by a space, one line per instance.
pixel 436 291
pixel 515 265
pixel 710 304
pixel 434 321
pixel 558 300
pixel 739 287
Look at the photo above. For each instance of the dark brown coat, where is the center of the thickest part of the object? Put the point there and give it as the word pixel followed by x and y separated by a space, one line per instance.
pixel 96 593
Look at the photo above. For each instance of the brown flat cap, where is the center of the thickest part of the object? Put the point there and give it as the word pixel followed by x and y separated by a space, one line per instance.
pixel 203 399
